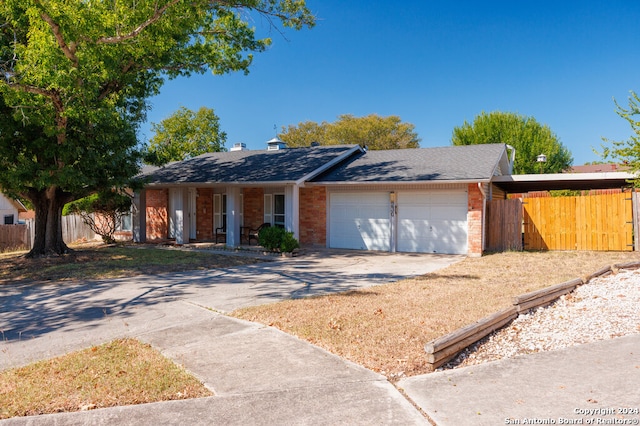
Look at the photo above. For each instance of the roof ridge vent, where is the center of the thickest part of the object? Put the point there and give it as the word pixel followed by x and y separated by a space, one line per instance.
pixel 239 146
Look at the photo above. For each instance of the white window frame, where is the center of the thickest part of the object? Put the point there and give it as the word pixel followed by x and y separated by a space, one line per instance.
pixel 270 215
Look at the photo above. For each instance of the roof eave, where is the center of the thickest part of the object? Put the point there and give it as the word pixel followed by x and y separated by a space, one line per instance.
pixel 504 158
pixel 218 184
pixel 401 182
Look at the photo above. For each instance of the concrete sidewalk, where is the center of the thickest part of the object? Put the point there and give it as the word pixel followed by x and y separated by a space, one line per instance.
pixel 585 384
pixel 260 376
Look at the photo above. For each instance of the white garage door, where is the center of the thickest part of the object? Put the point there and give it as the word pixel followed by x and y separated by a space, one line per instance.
pixel 432 222
pixel 360 221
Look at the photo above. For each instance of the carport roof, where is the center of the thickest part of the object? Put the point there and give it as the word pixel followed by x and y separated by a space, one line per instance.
pixel 574 181
pixel 451 163
pixel 286 165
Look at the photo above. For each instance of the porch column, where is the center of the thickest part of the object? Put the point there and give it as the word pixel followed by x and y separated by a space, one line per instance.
pixel 139 216
pixel 292 210
pixel 233 216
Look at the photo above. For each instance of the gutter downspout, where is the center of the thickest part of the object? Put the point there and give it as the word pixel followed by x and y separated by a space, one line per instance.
pixel 513 158
pixel 484 214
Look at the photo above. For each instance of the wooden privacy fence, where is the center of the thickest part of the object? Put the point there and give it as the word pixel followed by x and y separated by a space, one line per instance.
pixel 595 222
pixel 603 222
pixel 505 225
pixel 14 237
pixel 74 229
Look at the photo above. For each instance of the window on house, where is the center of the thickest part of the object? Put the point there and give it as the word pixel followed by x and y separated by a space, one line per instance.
pixel 278 210
pixel 274 209
pixel 224 211
pixel 8 219
pixel 220 211
pixel 125 223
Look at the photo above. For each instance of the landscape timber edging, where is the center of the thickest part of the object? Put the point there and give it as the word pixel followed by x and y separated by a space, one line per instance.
pixel 446 347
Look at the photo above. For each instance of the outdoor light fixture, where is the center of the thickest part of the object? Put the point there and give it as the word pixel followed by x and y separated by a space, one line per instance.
pixel 541 159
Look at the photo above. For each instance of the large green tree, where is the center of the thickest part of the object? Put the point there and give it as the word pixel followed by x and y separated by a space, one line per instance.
pixel 529 138
pixel 627 152
pixel 76 76
pixel 185 134
pixel 372 131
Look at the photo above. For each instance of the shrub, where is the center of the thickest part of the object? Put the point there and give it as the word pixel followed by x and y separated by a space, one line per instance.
pixel 271 237
pixel 289 243
pixel 274 238
pixel 102 212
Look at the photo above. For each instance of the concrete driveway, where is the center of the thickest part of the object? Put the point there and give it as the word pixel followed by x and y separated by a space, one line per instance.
pixel 259 375
pixel 57 318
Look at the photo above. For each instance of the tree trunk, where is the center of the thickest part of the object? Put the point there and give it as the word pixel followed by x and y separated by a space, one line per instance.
pixel 48 204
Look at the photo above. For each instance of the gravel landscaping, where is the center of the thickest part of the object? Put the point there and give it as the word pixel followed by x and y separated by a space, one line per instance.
pixel 604 308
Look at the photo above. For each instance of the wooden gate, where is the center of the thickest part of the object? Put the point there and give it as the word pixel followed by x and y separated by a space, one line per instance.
pixel 596 222
pixel 504 230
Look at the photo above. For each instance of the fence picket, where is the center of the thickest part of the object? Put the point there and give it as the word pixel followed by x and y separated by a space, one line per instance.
pixel 21 236
pixel 595 222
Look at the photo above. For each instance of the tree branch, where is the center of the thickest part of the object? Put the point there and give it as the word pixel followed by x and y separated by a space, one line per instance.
pixel 156 16
pixel 58 106
pixel 114 86
pixel 69 50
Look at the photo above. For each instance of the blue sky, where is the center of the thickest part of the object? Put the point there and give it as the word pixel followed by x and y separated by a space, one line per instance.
pixel 435 65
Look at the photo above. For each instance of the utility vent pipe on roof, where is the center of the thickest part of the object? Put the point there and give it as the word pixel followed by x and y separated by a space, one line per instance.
pixel 239 146
pixel 275 144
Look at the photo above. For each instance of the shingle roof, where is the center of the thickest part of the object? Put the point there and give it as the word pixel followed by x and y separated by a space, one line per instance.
pixel 471 162
pixel 277 166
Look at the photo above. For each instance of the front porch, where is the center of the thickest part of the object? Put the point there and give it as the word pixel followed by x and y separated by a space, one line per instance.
pixel 226 215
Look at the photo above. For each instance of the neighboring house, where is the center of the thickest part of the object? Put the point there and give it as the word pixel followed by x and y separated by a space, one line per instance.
pixel 10 210
pixel 429 200
pixel 599 168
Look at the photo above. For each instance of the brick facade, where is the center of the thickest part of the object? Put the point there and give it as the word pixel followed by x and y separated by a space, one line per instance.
pixel 474 220
pixel 157 214
pixel 204 214
pixel 253 199
pixel 313 217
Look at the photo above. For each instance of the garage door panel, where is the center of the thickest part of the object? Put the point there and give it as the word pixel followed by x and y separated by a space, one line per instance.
pixel 427 221
pixel 449 212
pixel 432 222
pixel 360 221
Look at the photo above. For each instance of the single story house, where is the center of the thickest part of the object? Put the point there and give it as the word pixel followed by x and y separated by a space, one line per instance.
pixel 427 200
pixel 10 210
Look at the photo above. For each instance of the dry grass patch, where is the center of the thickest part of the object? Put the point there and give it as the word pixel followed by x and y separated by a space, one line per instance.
pixel 110 262
pixel 385 328
pixel 122 372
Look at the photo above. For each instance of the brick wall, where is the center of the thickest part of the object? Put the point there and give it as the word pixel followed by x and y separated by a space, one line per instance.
pixel 157 214
pixel 204 214
pixel 313 216
pixel 253 207
pixel 474 220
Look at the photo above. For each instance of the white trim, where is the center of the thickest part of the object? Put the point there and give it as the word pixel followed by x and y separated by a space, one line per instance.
pixel 268 209
pixel 563 177
pixel 398 185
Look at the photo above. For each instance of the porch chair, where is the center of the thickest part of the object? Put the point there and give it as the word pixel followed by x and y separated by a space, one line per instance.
pixel 222 232
pixel 253 233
